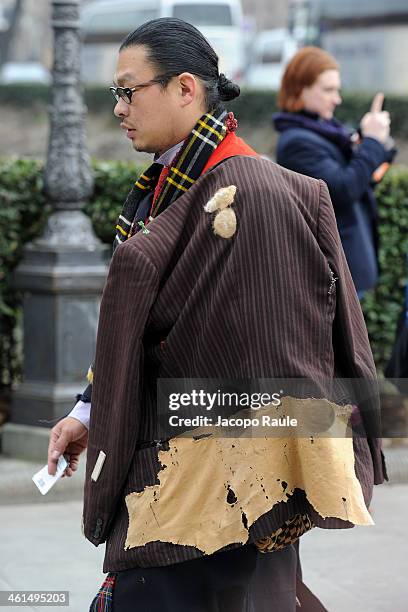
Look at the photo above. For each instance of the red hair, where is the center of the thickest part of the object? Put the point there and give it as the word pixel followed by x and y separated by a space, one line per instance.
pixel 302 71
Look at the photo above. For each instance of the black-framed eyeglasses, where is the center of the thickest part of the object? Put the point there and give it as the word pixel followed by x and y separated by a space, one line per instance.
pixel 125 93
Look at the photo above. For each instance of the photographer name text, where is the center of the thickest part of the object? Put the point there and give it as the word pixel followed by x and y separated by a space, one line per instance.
pixel 205 421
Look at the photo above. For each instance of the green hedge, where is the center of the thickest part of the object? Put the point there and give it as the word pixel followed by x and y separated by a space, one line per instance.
pixel 252 107
pixel 23 212
pixel 20 198
pixel 383 306
pixel 112 184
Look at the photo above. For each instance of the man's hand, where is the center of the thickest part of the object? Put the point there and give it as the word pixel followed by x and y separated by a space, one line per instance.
pixel 376 123
pixel 70 438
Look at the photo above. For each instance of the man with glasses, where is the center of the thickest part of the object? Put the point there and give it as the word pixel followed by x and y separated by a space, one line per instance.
pixel 218 257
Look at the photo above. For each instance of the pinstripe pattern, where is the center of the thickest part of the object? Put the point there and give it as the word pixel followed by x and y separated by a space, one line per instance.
pixel 257 305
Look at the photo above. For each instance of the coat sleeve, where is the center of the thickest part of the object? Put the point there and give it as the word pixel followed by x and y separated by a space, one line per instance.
pixel 346 183
pixel 352 351
pixel 128 296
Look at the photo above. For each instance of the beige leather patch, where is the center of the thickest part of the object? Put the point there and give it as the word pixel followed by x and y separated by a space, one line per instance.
pixel 98 466
pixel 192 505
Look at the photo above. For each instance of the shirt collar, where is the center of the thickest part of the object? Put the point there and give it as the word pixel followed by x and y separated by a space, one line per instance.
pixel 167 157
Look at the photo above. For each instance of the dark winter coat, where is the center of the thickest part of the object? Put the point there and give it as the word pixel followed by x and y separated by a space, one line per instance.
pixel 351 192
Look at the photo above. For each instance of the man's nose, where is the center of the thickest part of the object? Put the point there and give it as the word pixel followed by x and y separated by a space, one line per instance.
pixel 121 108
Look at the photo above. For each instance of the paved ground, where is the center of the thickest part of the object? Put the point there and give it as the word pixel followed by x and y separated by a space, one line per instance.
pixel 361 570
pixel 364 569
pixel 43 548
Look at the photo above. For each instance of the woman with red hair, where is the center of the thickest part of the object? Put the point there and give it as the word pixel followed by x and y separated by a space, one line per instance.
pixel 314 143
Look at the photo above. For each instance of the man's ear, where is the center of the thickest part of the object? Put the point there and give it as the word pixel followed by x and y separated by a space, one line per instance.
pixel 188 88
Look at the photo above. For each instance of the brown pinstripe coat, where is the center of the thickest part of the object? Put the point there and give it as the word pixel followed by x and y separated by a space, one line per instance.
pixel 253 306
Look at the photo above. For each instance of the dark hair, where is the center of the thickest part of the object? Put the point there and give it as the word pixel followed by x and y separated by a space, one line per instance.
pixel 175 46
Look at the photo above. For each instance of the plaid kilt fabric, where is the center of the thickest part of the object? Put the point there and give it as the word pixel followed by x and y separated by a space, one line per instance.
pixel 103 600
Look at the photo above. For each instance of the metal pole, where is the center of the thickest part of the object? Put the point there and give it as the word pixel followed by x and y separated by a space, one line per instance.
pixel 63 272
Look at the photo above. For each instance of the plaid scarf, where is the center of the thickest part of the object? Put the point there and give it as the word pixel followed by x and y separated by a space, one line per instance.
pixel 207 134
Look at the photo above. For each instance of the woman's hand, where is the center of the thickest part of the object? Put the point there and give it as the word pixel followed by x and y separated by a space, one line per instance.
pixel 376 123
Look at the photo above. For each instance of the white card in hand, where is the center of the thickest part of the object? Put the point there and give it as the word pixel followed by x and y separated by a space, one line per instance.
pixel 44 481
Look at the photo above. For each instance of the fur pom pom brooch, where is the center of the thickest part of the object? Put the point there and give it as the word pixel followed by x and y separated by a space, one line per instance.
pixel 225 220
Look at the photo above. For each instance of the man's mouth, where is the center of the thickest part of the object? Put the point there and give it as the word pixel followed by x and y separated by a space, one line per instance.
pixel 129 131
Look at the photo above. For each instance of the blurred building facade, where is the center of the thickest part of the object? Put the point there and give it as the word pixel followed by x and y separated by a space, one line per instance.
pixel 33 39
pixel 369 38
pixel 268 14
